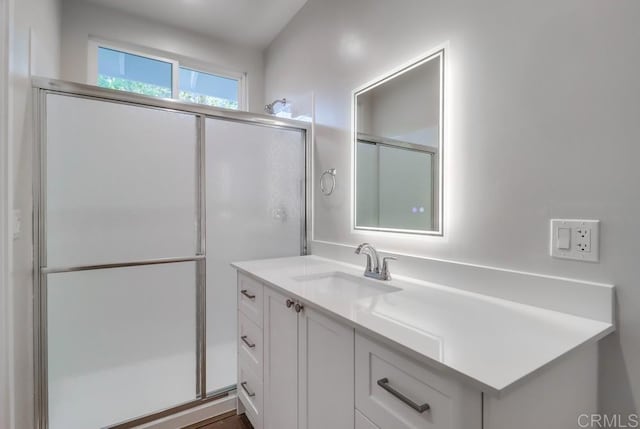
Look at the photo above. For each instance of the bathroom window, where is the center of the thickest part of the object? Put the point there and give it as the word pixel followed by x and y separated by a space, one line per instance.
pixel 206 88
pixel 134 71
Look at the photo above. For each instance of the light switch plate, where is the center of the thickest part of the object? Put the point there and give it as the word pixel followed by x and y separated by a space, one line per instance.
pixel 583 243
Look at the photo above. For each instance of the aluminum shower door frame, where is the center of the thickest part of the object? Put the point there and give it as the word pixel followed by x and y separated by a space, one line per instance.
pixel 43 87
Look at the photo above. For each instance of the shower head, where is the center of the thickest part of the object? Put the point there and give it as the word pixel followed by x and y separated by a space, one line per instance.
pixel 269 107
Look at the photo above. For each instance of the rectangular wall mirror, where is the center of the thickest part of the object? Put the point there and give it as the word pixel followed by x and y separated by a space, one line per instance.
pixel 398 140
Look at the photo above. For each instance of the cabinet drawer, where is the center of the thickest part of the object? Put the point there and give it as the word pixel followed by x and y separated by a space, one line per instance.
pixel 250 393
pixel 364 423
pixel 250 293
pixel 395 392
pixel 250 344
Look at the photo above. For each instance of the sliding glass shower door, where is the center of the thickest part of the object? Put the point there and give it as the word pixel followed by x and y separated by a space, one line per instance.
pixel 120 194
pixel 141 209
pixel 255 209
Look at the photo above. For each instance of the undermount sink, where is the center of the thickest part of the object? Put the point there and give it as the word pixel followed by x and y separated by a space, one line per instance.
pixel 343 285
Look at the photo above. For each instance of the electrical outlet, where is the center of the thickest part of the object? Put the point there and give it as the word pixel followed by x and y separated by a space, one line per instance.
pixel 583 239
pixel 575 239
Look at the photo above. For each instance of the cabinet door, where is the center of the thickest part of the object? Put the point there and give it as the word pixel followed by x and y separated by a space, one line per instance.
pixel 280 362
pixel 326 368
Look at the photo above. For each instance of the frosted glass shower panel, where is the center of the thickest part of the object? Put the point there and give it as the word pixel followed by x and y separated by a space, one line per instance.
pixel 121 343
pixel 120 182
pixel 368 199
pixel 405 188
pixel 255 209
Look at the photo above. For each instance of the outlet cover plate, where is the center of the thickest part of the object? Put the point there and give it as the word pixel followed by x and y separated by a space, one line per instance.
pixel 584 242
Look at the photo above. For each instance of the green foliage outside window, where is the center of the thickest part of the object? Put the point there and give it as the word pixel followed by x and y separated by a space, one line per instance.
pixel 133 86
pixel 208 100
pixel 163 92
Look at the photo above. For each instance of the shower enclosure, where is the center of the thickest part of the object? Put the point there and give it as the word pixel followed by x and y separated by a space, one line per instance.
pixel 140 205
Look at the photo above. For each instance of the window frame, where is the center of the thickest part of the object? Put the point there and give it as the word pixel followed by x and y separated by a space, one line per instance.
pixel 175 61
pixel 204 68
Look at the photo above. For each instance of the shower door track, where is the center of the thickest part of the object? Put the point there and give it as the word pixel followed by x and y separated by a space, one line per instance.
pixel 44 86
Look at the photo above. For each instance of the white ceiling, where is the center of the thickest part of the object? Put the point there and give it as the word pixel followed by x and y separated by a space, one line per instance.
pixel 247 22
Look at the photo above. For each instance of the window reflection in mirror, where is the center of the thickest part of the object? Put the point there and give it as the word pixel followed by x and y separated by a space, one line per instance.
pixel 398 150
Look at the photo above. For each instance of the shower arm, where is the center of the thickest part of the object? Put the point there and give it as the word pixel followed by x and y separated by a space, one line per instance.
pixel 269 107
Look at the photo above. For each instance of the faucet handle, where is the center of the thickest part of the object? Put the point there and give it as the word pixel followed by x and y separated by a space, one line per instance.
pixel 385 267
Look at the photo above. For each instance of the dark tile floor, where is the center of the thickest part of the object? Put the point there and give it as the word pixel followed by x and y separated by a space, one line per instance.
pixel 233 422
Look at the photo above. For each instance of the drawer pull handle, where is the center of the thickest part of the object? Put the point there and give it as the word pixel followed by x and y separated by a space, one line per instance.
pixel 247 294
pixel 299 308
pixel 384 383
pixel 290 303
pixel 247 391
pixel 244 340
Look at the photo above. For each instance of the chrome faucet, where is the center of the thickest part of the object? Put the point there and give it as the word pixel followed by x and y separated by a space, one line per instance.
pixel 373 268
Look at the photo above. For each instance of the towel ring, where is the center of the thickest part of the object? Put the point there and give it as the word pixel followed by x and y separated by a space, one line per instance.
pixel 332 174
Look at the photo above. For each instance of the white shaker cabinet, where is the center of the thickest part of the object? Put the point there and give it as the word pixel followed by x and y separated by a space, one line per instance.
pixel 250 350
pixel 308 372
pixel 394 392
pixel 280 361
pixel 300 368
pixel 325 368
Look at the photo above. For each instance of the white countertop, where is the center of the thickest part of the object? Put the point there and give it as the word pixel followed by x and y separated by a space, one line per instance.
pixel 490 342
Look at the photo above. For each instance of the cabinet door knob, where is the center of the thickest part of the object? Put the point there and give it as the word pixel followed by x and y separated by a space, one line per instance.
pixel 299 308
pixel 290 303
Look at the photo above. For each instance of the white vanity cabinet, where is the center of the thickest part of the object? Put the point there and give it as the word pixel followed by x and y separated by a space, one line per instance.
pixel 325 371
pixel 306 380
pixel 250 349
pixel 300 368
pixel 280 361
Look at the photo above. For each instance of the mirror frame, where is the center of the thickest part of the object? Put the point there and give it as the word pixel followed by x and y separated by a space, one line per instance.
pixel 438 52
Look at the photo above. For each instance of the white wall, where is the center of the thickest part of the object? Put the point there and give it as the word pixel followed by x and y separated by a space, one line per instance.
pixel 542 103
pixel 5 322
pixel 80 20
pixel 35 49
